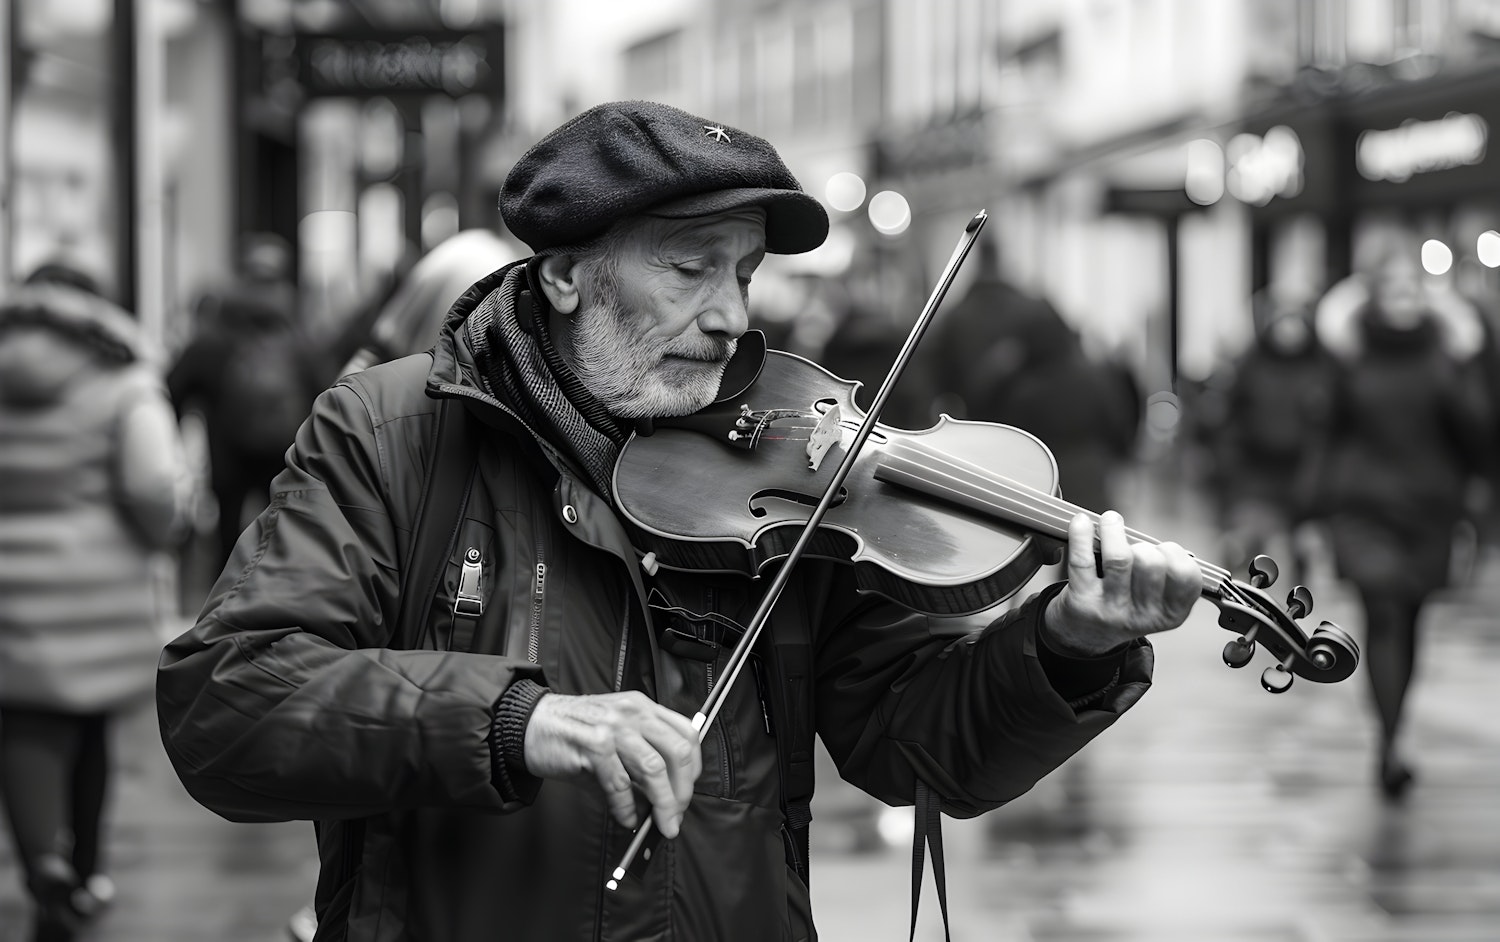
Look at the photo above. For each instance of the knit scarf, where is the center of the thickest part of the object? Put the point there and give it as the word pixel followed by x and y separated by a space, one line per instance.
pixel 523 369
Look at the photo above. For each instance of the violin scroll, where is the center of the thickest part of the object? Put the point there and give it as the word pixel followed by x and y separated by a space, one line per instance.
pixel 1328 655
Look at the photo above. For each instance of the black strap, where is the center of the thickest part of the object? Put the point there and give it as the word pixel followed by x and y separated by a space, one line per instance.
pixel 454 446
pixel 454 449
pixel 928 830
pixel 789 670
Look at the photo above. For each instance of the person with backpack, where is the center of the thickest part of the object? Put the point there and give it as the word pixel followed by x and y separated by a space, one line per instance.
pixel 465 673
pixel 93 483
pixel 252 372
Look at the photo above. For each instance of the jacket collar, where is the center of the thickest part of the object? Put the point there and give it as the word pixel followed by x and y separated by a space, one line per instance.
pixel 454 374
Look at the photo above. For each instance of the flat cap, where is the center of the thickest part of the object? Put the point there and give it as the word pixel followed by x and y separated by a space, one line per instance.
pixel 634 158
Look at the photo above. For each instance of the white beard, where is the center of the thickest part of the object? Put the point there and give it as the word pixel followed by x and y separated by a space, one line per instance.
pixel 629 373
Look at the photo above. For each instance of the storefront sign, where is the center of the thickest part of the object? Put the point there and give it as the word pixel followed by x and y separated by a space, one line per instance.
pixel 1397 154
pixel 953 145
pixel 431 62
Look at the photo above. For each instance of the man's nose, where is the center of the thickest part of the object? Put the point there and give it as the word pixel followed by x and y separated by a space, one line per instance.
pixel 727 313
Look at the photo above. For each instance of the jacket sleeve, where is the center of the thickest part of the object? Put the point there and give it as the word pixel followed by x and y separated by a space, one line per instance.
pixel 281 702
pixel 975 718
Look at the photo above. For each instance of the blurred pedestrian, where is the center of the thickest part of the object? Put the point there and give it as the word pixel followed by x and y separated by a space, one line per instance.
pixel 412 316
pixel 1408 429
pixel 252 372
pixel 873 304
pixel 1277 404
pixel 1006 356
pixel 92 481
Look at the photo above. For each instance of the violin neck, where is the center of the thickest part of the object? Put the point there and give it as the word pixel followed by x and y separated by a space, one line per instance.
pixel 965 484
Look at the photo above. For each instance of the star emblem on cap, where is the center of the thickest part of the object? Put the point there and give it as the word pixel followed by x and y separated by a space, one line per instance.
pixel 716 132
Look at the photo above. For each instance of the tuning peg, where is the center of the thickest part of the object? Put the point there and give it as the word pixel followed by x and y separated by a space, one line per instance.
pixel 1276 679
pixel 1299 602
pixel 1263 571
pixel 1237 653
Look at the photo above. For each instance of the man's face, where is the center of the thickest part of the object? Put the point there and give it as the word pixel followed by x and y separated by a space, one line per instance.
pixel 658 319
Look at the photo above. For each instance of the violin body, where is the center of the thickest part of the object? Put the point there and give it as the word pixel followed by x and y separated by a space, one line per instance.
pixel 717 508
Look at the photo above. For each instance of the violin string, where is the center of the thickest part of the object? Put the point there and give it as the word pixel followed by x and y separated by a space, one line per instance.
pixel 1039 509
pixel 1222 579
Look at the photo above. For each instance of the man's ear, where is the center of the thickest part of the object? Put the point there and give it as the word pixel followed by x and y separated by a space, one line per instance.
pixel 556 274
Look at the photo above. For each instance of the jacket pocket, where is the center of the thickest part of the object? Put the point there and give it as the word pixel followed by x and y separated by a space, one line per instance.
pixel 730 875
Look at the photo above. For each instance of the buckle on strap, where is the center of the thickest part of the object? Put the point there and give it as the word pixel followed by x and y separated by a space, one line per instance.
pixel 469 599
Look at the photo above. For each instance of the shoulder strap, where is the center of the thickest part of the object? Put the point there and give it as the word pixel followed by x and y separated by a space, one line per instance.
pixel 454 445
pixel 790 667
pixel 454 448
pixel 928 832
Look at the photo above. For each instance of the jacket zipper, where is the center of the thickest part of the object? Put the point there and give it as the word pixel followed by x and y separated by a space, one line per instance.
pixel 620 659
pixel 538 593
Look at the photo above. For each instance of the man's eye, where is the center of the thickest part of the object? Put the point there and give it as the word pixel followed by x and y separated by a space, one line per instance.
pixel 691 271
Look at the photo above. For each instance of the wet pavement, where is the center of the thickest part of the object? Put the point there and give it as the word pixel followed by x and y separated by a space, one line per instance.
pixel 1212 812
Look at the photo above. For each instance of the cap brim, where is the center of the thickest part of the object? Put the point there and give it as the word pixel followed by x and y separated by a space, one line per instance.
pixel 795 222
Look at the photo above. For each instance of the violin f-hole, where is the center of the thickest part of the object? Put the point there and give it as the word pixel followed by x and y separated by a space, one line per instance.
pixel 757 501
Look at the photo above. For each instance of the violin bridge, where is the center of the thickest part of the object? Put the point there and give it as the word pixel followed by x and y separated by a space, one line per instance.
pixel 824 434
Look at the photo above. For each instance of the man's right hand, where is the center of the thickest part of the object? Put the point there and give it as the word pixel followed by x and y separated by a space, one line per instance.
pixel 627 742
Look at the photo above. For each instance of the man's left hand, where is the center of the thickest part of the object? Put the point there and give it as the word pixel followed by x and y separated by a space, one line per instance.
pixel 1144 588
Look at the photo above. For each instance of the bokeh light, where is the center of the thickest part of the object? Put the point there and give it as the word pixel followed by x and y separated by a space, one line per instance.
pixel 845 191
pixel 1437 258
pixel 890 214
pixel 1204 181
pixel 1487 247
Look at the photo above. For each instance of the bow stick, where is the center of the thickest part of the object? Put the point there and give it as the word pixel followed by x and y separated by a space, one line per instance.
pixel 704 718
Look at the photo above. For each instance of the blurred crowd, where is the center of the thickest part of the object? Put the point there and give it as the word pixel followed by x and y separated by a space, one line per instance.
pixel 1362 420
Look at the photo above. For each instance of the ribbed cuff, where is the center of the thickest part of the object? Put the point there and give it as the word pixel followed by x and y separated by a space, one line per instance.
pixel 508 741
pixel 1078 680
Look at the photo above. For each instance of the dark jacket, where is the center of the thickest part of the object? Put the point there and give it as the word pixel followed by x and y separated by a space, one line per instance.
pixel 1010 358
pixel 251 370
pixel 1409 428
pixel 1278 409
pixel 284 701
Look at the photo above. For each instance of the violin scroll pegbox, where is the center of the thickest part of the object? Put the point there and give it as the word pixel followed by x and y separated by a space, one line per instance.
pixel 1327 656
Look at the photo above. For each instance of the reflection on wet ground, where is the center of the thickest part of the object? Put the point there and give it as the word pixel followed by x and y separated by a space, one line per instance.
pixel 1213 812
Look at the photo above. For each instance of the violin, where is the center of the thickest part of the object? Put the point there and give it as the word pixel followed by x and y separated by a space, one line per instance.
pixel 948 520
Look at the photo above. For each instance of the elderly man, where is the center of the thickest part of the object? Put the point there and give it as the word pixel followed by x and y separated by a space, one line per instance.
pixel 480 779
